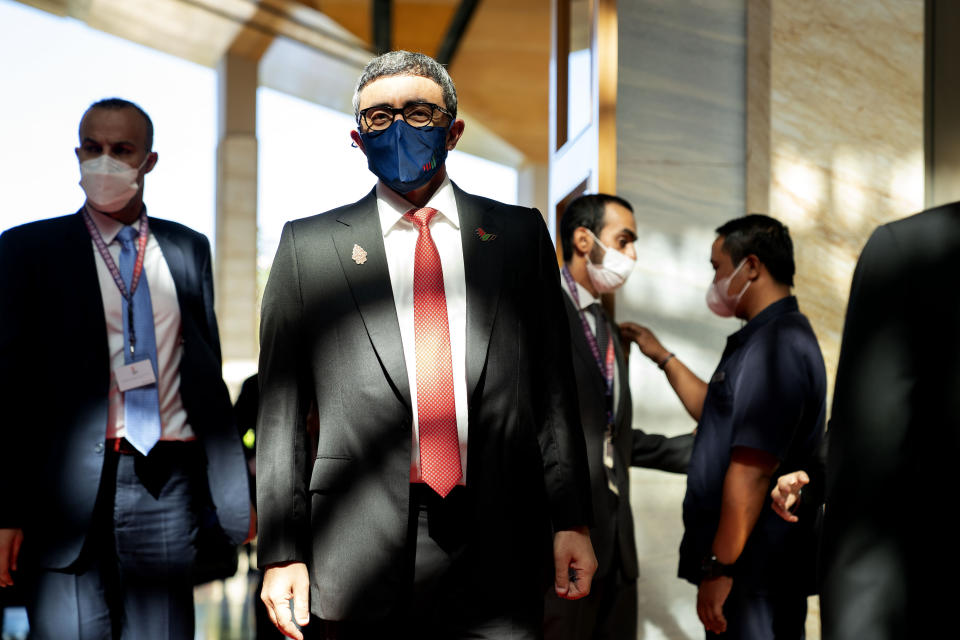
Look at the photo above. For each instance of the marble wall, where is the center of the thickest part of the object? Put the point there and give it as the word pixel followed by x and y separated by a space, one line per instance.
pixel 809 110
pixel 845 107
pixel 680 161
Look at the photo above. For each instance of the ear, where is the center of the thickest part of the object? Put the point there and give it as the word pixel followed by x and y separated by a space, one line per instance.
pixel 753 267
pixel 454 133
pixel 152 158
pixel 357 140
pixel 582 241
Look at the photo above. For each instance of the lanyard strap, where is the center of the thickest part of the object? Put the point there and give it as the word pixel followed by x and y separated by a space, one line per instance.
pixel 115 271
pixel 606 364
pixel 108 259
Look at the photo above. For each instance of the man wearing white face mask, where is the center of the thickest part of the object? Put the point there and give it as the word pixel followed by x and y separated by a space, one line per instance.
pixel 762 412
pixel 121 468
pixel 597 233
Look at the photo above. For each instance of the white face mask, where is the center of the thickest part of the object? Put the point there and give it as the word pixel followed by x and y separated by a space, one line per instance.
pixel 109 183
pixel 610 274
pixel 719 300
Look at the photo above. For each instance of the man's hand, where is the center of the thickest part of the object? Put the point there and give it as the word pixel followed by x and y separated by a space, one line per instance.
pixel 786 495
pixel 711 595
pixel 574 563
pixel 280 583
pixel 10 541
pixel 648 343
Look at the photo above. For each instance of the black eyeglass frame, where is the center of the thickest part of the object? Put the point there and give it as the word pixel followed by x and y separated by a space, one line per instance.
pixel 362 114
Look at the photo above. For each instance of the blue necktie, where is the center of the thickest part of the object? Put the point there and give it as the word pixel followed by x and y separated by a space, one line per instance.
pixel 141 406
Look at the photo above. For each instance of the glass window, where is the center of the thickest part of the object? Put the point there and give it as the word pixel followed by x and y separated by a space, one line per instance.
pixel 71 66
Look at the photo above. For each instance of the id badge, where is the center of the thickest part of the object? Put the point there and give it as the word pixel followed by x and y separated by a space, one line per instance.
pixel 608 451
pixel 135 374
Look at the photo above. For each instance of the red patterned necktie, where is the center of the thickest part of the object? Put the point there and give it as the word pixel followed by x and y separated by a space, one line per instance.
pixel 436 409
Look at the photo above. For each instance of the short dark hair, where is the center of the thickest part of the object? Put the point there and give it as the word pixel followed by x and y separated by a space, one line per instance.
pixel 586 211
pixel 764 237
pixel 115 104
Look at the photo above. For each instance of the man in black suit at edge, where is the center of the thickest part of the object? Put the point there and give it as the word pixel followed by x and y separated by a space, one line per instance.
pixel 597 233
pixel 119 451
pixel 894 438
pixel 427 327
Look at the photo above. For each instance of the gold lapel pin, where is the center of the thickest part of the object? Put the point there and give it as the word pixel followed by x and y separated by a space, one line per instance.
pixel 359 254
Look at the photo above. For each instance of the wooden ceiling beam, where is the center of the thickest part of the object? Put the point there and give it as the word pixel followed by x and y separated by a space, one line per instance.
pixel 458 26
pixel 382 25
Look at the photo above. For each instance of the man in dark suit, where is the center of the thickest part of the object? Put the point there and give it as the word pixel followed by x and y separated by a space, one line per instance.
pixel 597 233
pixel 895 438
pixel 119 453
pixel 427 326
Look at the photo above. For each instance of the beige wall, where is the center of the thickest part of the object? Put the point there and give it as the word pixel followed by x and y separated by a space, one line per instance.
pixel 845 115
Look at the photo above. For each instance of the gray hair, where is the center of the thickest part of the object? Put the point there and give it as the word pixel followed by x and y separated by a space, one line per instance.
pixel 407 63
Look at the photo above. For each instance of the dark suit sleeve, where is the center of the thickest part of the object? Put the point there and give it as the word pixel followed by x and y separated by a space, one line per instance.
pixel 282 451
pixel 655 451
pixel 863 561
pixel 206 279
pixel 562 445
pixel 14 342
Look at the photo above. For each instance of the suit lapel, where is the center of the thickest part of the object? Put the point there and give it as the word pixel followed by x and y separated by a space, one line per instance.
pixel 82 280
pixel 579 340
pixel 173 255
pixel 359 225
pixel 623 375
pixel 482 268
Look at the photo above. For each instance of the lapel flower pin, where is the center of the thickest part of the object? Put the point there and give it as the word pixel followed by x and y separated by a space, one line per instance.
pixel 359 255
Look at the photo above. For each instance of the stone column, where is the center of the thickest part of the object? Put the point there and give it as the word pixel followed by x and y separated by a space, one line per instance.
pixel 835 128
pixel 236 227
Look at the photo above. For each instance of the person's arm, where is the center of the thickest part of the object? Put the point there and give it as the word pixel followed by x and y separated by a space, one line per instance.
pixel 14 343
pixel 282 448
pixel 868 468
pixel 686 384
pixel 744 493
pixel 560 435
pixel 10 541
pixel 785 496
pixel 655 451
pixel 788 497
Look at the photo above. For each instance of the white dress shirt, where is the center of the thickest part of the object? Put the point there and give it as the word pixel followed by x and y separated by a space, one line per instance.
pixel 166 322
pixel 585 299
pixel 400 241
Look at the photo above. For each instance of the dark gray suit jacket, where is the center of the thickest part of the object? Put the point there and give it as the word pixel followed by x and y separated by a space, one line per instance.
pixel 329 335
pixel 612 517
pixel 888 542
pixel 55 376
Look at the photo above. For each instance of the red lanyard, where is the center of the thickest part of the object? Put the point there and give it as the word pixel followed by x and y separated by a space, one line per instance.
pixel 115 271
pixel 608 370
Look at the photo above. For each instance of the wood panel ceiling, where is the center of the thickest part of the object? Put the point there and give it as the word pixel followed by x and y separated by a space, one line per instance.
pixel 501 67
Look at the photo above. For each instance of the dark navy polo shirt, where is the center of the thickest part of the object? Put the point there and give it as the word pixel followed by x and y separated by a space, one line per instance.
pixel 767 393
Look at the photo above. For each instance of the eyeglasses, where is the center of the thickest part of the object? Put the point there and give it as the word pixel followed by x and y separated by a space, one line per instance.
pixel 415 114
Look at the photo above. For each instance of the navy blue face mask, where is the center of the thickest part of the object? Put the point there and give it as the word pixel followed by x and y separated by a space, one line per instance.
pixel 405 157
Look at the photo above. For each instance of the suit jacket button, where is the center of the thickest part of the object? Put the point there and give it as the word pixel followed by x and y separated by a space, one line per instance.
pixel 98 448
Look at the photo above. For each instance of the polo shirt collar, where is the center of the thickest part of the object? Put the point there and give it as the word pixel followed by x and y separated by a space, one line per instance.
pixel 774 310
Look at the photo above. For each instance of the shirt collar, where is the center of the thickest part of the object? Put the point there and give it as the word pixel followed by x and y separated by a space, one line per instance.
pixel 774 310
pixel 107 226
pixel 391 206
pixel 584 297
